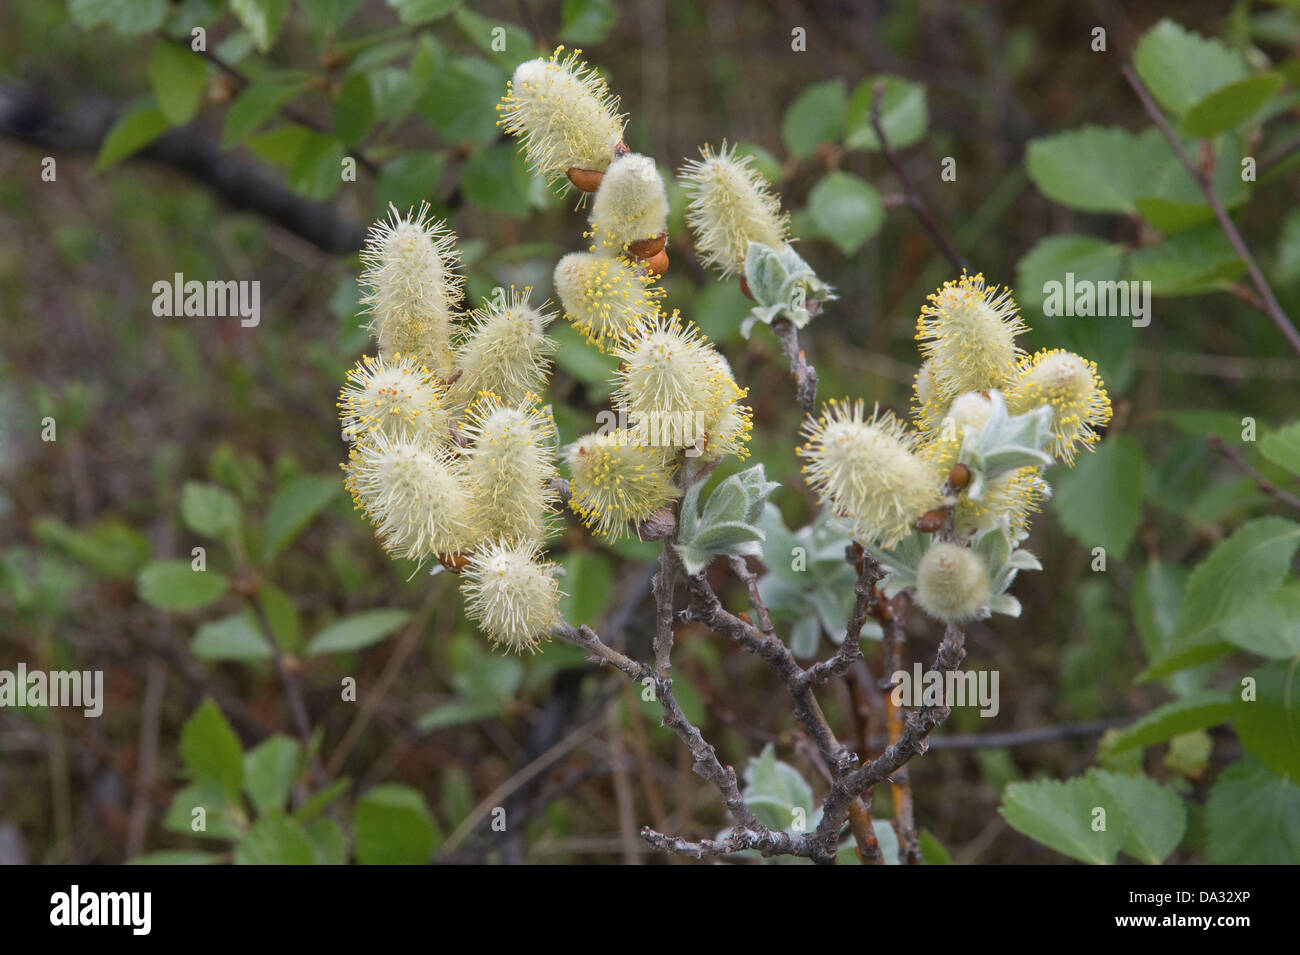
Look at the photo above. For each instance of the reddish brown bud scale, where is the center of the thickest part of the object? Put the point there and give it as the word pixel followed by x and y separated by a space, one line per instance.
pixel 744 288
pixel 587 180
pixel 931 521
pixel 648 248
pixel 657 264
pixel 958 477
pixel 454 562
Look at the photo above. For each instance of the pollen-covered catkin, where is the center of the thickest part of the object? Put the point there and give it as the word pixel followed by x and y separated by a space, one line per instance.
pixel 1071 387
pixel 417 498
pixel 668 378
pixel 630 205
pixel 604 297
pixel 952 583
pixel 512 593
pixel 506 351
pixel 730 206
pixel 397 396
pixel 865 470
pixel 510 460
pixel 967 332
pixel 412 287
pixel 563 115
pixel 616 483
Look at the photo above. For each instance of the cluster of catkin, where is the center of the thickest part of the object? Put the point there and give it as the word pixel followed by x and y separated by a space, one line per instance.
pixel 887 479
pixel 452 453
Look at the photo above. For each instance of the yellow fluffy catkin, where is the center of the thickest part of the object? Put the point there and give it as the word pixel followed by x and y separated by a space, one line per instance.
pixel 604 297
pixel 506 351
pixel 1071 387
pixel 510 460
pixel 730 206
pixel 412 287
pixel 511 593
pixel 616 483
pixel 563 114
pixel 866 471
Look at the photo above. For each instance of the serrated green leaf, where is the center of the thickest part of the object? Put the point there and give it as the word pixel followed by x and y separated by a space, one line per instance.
pixel 1197 711
pixel 174 585
pixel 1181 68
pixel 409 179
pixel 357 631
pixel 1152 816
pixel 1253 817
pixel 263 19
pixel 1230 106
pixel 211 750
pixel 274 840
pixel 392 826
pixel 1270 626
pixel 1089 259
pixel 329 846
pixel 1282 447
pixel 317 170
pixel 1060 815
pixel 846 210
pixel 1269 725
pixel 127 17
pixel 1189 263
pixel 255 104
pixel 217 819
pixel 416 12
pixel 354 110
pixel 269 771
pixel 1241 570
pixel 1099 501
pixel 1095 169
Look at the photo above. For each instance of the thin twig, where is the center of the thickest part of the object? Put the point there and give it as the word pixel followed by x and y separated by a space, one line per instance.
pixel 1268 302
pixel 1242 465
pixel 805 375
pixel 900 786
pixel 910 194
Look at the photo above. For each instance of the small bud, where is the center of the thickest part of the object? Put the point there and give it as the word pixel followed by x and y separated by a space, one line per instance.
pixel 648 248
pixel 657 264
pixel 952 583
pixel 932 521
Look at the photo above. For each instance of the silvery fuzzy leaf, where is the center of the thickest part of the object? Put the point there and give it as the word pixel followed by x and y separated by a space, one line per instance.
pixel 1007 604
pixel 1024 560
pixel 693 560
pixel 1005 443
pixel 725 536
pixel 781 283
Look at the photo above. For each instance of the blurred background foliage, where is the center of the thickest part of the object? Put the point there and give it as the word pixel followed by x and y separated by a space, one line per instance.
pixel 174 433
